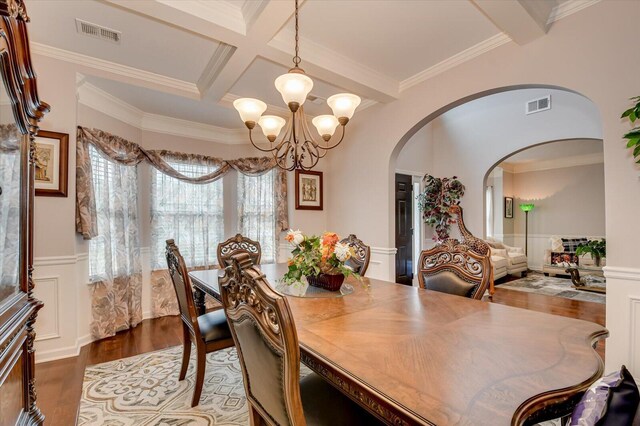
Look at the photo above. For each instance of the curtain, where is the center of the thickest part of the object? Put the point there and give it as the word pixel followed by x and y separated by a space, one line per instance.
pixel 489 211
pixel 115 271
pixel 192 215
pixel 257 212
pixel 9 209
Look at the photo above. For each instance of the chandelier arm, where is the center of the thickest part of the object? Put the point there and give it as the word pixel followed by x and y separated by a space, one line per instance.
pixel 314 152
pixel 257 147
pixel 337 143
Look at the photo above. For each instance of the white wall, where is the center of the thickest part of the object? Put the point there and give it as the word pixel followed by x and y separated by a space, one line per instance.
pixel 583 52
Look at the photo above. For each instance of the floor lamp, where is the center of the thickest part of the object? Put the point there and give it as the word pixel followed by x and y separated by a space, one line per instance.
pixel 526 208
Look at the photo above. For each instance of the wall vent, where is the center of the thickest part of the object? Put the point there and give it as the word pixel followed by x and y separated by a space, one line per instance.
pixel 98 31
pixel 538 105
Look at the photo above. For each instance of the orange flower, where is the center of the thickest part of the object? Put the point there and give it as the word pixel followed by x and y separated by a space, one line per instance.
pixel 330 239
pixel 327 251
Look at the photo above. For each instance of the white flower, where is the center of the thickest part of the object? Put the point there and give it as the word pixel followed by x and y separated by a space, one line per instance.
pixel 342 251
pixel 295 237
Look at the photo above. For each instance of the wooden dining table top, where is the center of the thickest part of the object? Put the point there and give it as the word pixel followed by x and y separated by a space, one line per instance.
pixel 437 358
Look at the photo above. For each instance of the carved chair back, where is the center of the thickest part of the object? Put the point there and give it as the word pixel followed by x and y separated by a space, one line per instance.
pixel 266 340
pixel 452 267
pixel 182 285
pixel 235 245
pixel 359 262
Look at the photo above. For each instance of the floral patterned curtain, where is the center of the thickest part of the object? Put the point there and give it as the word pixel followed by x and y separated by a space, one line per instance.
pixel 115 270
pixel 168 163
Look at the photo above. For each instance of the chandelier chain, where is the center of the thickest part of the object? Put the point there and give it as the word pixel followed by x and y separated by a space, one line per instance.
pixel 296 58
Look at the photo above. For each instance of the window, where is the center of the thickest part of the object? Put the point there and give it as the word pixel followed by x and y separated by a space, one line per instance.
pixel 257 212
pixel 489 210
pixel 115 251
pixel 191 214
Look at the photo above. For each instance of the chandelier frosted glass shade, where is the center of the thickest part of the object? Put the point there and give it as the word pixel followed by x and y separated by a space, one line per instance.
pixel 326 125
pixel 294 88
pixel 343 105
pixel 271 126
pixel 250 110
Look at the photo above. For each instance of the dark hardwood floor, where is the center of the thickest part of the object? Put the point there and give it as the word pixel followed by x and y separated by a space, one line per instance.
pixel 59 383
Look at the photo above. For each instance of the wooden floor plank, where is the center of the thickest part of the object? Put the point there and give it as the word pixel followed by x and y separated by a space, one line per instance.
pixel 59 383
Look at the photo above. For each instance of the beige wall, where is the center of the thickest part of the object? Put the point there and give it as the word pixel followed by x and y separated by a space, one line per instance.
pixel 582 52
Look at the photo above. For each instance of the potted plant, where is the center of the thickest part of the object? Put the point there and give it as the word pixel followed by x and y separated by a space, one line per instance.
pixel 320 260
pixel 633 136
pixel 596 248
pixel 435 203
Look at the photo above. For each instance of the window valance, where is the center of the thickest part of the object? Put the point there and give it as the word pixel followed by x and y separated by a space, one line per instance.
pixel 129 153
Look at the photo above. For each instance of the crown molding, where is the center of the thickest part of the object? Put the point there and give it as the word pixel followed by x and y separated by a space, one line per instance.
pixel 322 56
pixel 569 8
pixel 251 10
pixel 216 64
pixel 96 98
pixel 144 78
pixel 455 60
pixel 555 163
pixel 221 13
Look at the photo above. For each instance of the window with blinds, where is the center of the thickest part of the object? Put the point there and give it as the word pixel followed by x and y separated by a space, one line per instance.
pixel 191 214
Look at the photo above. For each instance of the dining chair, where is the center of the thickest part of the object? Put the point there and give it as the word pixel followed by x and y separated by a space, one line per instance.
pixel 267 343
pixel 457 267
pixel 359 262
pixel 238 244
pixel 209 332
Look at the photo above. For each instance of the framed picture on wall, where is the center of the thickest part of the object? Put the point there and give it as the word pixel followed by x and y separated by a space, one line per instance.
pixel 508 207
pixel 51 169
pixel 308 190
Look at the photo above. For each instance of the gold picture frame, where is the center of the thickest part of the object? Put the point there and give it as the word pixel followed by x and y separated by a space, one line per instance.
pixel 51 164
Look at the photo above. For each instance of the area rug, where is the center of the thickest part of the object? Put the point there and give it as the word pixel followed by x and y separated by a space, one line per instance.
pixel 552 286
pixel 144 390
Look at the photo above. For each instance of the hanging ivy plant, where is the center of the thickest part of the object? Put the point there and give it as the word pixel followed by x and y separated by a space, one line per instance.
pixel 435 203
pixel 633 136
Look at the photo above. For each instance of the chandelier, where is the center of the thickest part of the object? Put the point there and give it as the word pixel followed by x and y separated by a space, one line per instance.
pixel 297 149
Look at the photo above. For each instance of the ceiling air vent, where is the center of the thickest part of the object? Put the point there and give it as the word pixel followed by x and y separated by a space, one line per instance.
pixel 538 105
pixel 315 99
pixel 97 31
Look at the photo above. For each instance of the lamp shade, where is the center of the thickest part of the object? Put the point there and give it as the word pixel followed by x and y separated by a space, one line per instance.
pixel 249 109
pixel 343 104
pixel 326 125
pixel 271 126
pixel 526 207
pixel 294 87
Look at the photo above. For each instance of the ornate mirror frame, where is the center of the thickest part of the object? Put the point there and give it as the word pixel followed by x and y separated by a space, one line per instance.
pixel 18 313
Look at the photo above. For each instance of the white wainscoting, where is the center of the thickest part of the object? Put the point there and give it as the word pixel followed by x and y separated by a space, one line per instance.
pixel 623 315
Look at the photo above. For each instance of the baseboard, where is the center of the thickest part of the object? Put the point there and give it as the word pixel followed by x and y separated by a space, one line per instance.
pixel 72 351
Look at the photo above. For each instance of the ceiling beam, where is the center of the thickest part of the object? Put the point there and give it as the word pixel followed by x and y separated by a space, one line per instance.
pixel 522 20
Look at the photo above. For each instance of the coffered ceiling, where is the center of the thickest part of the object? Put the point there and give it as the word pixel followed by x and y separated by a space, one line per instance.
pixel 190 59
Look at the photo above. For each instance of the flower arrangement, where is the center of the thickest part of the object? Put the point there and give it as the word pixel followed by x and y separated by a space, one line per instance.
pixel 314 256
pixel 435 203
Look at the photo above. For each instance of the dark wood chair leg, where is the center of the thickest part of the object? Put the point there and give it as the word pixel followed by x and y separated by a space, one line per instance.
pixel 200 303
pixel 186 351
pixel 201 363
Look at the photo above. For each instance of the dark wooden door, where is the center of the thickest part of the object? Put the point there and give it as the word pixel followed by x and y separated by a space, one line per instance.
pixel 404 229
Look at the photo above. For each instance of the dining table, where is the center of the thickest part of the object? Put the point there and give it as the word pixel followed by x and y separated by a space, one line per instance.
pixel 412 356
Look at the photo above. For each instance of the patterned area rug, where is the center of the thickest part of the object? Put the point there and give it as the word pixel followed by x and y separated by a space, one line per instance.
pixel 552 286
pixel 144 390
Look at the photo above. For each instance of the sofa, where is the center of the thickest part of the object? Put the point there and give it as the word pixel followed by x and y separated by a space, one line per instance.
pixel 516 260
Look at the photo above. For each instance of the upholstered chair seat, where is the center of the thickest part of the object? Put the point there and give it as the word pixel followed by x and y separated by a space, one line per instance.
pixel 449 282
pixel 325 405
pixel 214 326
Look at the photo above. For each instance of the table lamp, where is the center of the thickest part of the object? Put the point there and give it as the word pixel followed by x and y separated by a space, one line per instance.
pixel 526 208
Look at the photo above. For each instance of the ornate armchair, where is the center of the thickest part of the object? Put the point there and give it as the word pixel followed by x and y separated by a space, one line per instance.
pixel 235 245
pixel 457 267
pixel 360 262
pixel 267 343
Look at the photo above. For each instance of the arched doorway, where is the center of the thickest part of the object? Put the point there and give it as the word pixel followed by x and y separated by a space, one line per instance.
pixel 470 136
